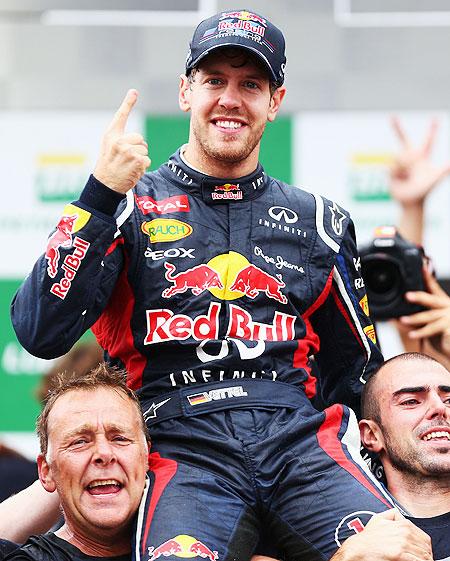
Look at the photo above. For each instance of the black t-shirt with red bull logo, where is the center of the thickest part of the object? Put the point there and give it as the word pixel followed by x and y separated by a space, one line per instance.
pixel 191 279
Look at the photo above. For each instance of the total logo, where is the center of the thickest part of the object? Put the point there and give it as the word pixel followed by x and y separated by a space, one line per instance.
pixel 179 203
pixel 184 546
pixel 227 192
pixel 227 276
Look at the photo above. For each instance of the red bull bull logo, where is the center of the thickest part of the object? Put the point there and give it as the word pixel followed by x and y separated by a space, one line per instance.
pixel 184 546
pixel 249 280
pixel 228 191
pixel 62 237
pixel 244 15
pixel 197 280
pixel 252 280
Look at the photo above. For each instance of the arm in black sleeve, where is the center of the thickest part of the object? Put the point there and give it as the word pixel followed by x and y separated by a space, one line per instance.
pixel 348 351
pixel 72 281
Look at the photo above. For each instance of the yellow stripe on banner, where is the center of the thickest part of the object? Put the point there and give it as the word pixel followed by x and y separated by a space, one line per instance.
pixel 372 159
pixel 61 159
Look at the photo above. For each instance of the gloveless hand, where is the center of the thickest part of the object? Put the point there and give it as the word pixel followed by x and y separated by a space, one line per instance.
pixel 123 156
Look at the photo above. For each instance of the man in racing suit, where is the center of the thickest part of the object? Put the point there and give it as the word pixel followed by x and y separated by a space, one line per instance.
pixel 213 285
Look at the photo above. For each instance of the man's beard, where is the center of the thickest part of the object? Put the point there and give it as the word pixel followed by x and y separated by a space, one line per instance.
pixel 417 462
pixel 230 150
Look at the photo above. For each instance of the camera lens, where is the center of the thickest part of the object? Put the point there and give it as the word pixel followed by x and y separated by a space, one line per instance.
pixel 382 278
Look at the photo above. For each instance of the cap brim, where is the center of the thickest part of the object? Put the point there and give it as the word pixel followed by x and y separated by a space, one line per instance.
pixel 246 47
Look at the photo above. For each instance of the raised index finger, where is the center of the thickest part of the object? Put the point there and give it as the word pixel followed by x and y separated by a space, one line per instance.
pixel 120 118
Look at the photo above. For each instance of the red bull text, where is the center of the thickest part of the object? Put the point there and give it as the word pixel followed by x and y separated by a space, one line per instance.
pixel 164 325
pixel 70 267
pixel 228 191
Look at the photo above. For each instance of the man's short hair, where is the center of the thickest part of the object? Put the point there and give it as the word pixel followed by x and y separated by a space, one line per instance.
pixel 370 405
pixel 102 376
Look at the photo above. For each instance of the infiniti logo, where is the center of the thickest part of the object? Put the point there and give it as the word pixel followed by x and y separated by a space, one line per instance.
pixel 279 213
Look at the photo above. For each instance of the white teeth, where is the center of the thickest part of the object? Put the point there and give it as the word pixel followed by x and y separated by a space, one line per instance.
pixel 103 482
pixel 437 434
pixel 229 124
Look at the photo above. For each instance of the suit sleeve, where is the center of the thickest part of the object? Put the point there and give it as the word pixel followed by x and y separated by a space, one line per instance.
pixel 72 281
pixel 348 351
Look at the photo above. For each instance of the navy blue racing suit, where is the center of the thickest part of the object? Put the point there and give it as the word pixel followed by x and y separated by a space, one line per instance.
pixel 214 295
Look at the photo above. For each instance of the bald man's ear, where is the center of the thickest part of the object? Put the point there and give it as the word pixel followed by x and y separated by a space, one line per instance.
pixel 371 436
pixel 45 474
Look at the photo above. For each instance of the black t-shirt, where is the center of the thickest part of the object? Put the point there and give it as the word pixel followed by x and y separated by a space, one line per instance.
pixel 6 547
pixel 49 547
pixel 438 528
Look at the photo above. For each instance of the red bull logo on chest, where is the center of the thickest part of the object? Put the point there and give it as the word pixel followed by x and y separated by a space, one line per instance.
pixel 227 276
pixel 184 546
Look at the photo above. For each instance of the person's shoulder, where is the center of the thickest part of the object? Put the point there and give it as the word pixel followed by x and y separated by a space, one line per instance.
pixel 6 547
pixel 438 528
pixel 439 521
pixel 330 219
pixel 44 547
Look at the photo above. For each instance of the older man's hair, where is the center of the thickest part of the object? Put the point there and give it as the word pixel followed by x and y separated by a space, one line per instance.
pixel 370 405
pixel 102 376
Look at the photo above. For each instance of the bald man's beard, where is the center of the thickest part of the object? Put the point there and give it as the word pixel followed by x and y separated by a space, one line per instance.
pixel 415 461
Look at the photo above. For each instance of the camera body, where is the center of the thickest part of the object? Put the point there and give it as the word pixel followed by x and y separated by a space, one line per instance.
pixel 391 266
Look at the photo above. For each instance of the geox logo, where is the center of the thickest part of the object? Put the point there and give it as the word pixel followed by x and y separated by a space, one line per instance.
pixel 215 395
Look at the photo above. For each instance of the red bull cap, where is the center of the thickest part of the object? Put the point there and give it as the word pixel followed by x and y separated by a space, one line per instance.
pixel 244 29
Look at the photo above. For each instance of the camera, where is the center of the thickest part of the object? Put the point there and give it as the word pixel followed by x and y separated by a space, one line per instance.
pixel 391 266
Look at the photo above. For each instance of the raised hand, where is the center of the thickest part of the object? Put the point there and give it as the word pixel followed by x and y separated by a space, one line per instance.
pixel 434 323
pixel 413 175
pixel 123 156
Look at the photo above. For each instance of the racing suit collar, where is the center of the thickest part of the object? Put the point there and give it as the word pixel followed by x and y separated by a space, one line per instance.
pixel 211 189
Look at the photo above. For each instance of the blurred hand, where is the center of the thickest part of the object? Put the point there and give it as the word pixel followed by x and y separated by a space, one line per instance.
pixel 413 175
pixel 387 537
pixel 123 156
pixel 432 324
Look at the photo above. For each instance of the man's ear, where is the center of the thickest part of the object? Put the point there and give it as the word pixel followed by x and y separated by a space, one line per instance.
pixel 45 474
pixel 184 94
pixel 371 436
pixel 275 102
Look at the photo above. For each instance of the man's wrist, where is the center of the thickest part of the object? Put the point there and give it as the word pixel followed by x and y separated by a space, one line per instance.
pixel 100 197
